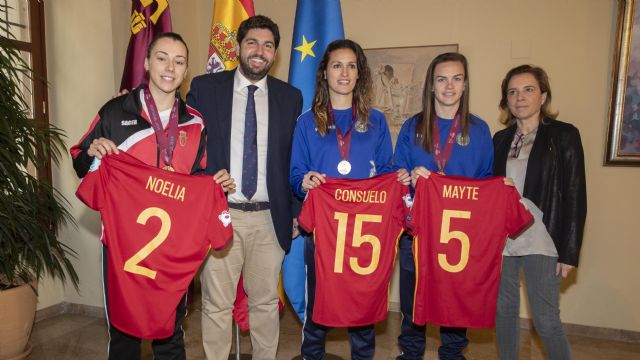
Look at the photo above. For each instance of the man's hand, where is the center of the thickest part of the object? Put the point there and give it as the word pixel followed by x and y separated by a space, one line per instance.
pixel 225 180
pixel 120 93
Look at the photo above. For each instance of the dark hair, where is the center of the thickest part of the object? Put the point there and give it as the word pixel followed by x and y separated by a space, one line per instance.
pixel 543 83
pixel 361 93
pixel 424 127
pixel 167 35
pixel 258 22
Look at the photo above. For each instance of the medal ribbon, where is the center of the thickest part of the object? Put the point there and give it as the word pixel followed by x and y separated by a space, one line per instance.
pixel 166 138
pixel 344 140
pixel 443 157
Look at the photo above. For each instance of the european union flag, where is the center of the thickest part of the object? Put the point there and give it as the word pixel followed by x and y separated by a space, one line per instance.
pixel 318 23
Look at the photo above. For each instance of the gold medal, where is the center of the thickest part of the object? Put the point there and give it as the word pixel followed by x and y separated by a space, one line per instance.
pixel 169 168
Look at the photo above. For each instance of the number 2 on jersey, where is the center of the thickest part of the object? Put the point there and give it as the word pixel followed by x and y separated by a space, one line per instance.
pixel 131 265
pixel 358 239
pixel 446 234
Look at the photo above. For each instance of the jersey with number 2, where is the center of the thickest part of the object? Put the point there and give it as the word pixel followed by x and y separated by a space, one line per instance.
pixel 460 226
pixel 356 226
pixel 158 227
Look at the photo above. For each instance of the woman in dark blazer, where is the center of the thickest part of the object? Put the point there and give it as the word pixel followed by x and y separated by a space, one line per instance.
pixel 545 159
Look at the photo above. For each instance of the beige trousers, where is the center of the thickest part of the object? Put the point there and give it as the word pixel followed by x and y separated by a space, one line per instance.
pixel 256 253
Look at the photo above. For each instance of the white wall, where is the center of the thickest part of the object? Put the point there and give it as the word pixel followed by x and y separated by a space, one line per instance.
pixel 571 39
pixel 80 69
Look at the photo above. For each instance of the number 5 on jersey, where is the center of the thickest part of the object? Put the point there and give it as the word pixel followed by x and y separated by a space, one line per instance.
pixel 358 238
pixel 446 234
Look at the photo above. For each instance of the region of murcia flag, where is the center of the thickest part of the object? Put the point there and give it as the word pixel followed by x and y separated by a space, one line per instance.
pixel 148 19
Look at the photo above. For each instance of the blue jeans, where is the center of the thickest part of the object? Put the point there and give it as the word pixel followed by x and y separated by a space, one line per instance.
pixel 543 291
pixel 412 337
pixel 362 338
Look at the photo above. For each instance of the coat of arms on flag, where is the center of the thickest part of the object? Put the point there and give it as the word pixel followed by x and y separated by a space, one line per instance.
pixel 223 46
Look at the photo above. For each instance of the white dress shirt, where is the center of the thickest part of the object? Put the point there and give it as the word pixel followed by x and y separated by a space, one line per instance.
pixel 261 96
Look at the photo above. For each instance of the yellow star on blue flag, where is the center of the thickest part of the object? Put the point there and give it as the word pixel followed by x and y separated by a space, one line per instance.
pixel 306 48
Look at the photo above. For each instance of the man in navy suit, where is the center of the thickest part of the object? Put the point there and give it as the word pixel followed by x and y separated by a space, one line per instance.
pixel 250 118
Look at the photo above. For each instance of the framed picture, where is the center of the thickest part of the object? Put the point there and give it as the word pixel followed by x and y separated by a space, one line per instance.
pixel 623 137
pixel 398 79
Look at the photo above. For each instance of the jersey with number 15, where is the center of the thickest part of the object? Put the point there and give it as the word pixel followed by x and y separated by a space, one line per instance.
pixel 460 226
pixel 356 226
pixel 158 227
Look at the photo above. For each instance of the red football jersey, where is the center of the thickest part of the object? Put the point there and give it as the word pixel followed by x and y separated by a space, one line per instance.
pixel 356 226
pixel 158 227
pixel 460 226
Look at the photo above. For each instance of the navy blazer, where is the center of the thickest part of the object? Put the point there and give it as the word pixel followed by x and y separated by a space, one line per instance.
pixel 212 96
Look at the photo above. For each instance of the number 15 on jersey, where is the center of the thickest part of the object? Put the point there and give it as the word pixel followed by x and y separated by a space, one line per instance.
pixel 358 238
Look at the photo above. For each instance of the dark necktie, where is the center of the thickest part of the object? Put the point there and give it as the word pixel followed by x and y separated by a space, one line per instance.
pixel 250 151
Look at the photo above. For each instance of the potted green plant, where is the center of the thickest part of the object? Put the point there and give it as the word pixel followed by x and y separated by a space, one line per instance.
pixel 31 210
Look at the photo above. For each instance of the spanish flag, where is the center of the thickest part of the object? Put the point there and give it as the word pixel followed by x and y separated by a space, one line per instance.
pixel 223 46
pixel 148 18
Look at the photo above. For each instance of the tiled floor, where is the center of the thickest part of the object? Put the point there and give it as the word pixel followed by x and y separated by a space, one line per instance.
pixel 82 337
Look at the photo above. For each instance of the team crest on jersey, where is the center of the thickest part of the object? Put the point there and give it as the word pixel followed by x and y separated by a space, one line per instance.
pixel 225 218
pixel 183 138
pixel 408 201
pixel 95 164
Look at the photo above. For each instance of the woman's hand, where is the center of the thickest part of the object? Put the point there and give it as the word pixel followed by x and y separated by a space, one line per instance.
pixel 404 177
pixel 417 172
pixel 509 181
pixel 312 180
pixel 563 269
pixel 225 180
pixel 101 147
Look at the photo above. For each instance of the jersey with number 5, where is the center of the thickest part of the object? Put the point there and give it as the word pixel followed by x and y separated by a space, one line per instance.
pixel 356 226
pixel 460 227
pixel 158 227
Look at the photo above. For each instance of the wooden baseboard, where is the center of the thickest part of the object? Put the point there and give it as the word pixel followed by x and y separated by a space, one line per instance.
pixel 49 312
pixel 69 308
pixel 592 332
pixel 527 324
pixel 574 329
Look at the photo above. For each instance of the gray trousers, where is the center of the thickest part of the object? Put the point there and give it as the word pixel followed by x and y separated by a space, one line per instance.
pixel 543 291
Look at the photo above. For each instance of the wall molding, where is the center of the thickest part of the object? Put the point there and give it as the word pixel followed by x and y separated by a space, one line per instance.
pixel 69 308
pixel 627 336
pixel 601 333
